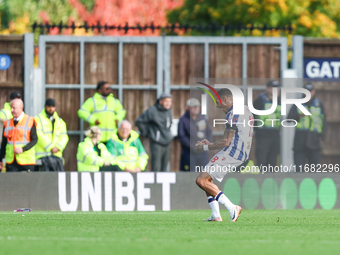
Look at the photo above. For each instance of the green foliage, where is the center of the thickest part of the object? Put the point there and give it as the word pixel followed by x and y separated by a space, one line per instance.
pixel 5 15
pixel 39 10
pixel 309 18
pixel 89 4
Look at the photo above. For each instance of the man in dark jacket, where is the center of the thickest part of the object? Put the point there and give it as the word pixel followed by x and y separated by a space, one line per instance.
pixel 193 127
pixel 309 131
pixel 155 123
pixel 268 135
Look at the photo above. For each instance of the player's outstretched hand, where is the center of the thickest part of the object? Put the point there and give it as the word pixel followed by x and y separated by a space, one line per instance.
pixel 199 146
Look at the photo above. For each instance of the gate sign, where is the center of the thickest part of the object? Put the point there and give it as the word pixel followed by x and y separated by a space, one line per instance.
pixel 5 62
pixel 324 68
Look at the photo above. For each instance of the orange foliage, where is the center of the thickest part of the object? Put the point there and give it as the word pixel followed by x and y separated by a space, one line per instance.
pixel 118 12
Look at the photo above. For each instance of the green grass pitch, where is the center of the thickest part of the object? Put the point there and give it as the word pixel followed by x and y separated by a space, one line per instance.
pixel 176 232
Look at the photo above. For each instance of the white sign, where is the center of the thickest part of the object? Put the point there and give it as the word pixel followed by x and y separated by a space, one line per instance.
pixel 90 191
pixel 322 68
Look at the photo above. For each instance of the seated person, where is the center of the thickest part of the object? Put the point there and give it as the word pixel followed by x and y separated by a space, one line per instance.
pixel 92 154
pixel 127 149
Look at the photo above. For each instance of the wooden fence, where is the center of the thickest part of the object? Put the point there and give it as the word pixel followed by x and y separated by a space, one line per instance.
pixel 139 67
pixel 12 78
pixel 329 94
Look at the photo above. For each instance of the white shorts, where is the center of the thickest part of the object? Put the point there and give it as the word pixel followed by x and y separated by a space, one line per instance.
pixel 221 164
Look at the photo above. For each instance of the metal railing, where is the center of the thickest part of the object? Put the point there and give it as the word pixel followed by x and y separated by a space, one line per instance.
pixel 44 28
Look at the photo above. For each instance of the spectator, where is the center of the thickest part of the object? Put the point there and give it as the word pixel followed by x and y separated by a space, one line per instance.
pixel 92 154
pixel 155 123
pixel 193 127
pixel 18 140
pixel 102 110
pixel 127 149
pixel 268 135
pixel 6 113
pixel 52 138
pixel 310 130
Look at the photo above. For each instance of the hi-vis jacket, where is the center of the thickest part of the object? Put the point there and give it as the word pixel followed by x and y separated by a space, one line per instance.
pixel 314 122
pixel 49 137
pixel 309 128
pixel 6 113
pixel 130 154
pixel 267 104
pixel 105 111
pixel 88 159
pixel 19 136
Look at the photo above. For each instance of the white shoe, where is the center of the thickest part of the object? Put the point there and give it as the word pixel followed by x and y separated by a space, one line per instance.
pixel 211 218
pixel 235 213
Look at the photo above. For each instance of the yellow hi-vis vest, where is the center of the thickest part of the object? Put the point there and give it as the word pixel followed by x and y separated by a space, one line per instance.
pixel 19 136
pixel 267 104
pixel 88 159
pixel 130 154
pixel 105 111
pixel 48 138
pixel 6 113
pixel 314 122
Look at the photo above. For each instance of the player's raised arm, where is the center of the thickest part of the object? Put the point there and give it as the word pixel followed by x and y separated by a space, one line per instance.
pixel 219 144
pixel 225 141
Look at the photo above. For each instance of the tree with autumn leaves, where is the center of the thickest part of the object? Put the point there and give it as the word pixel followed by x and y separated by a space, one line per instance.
pixel 110 12
pixel 116 12
pixel 18 15
pixel 317 18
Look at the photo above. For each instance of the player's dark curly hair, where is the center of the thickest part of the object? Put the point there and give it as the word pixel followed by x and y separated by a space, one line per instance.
pixel 224 92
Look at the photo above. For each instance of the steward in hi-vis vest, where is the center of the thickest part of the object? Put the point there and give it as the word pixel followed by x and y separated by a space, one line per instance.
pixel 52 138
pixel 18 140
pixel 92 154
pixel 309 131
pixel 102 110
pixel 6 113
pixel 127 149
pixel 268 135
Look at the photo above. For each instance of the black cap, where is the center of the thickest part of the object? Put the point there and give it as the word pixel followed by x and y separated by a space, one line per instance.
pixel 14 95
pixel 309 86
pixel 164 95
pixel 273 83
pixel 50 102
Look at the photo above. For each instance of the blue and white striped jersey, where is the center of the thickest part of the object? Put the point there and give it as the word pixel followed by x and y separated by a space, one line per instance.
pixel 240 145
